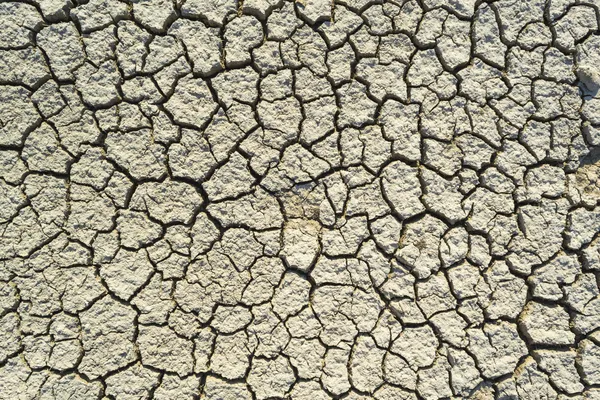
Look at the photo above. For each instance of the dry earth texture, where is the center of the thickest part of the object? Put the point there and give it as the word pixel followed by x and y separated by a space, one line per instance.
pixel 267 199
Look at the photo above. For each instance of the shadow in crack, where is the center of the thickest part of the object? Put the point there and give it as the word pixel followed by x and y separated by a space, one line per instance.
pixel 591 158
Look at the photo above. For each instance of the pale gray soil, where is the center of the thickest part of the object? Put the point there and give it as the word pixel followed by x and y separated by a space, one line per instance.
pixel 267 199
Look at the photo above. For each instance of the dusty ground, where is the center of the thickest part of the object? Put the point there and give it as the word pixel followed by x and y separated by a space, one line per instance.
pixel 268 200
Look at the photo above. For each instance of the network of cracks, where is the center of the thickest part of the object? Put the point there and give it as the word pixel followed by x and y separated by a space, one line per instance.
pixel 268 199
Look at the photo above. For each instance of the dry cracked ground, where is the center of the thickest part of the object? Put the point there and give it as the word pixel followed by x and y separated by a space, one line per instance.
pixel 262 199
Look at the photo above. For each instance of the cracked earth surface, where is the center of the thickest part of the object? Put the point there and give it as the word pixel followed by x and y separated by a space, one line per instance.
pixel 262 199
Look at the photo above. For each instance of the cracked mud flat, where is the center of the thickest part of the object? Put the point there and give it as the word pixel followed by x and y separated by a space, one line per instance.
pixel 264 199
